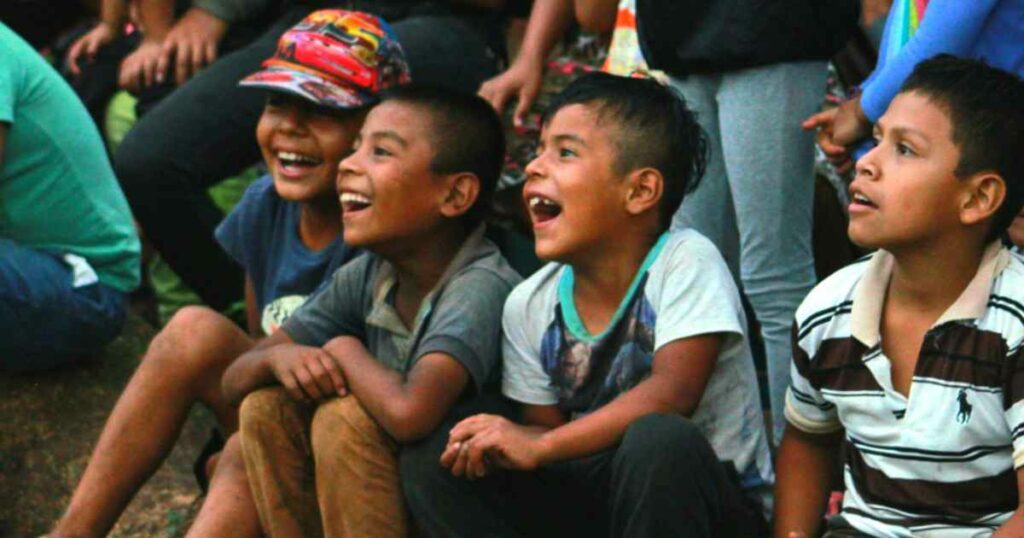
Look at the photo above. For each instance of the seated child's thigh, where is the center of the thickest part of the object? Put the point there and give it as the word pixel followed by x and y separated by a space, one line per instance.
pixel 44 320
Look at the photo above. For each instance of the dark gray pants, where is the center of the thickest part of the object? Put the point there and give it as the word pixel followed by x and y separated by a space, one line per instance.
pixel 205 131
pixel 662 480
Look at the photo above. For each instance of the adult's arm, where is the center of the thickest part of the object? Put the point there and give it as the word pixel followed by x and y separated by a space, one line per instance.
pixel 549 20
pixel 408 407
pixel 596 16
pixel 139 69
pixel 949 26
pixel 112 17
pixel 192 44
pixel 156 18
pixel 805 470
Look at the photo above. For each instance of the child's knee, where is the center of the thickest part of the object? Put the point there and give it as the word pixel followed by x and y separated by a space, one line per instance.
pixel 262 409
pixel 192 341
pixel 658 438
pixel 341 424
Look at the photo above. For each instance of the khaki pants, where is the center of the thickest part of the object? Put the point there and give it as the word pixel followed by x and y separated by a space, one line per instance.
pixel 327 470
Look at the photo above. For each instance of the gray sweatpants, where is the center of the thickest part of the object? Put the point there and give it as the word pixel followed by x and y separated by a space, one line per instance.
pixel 755 201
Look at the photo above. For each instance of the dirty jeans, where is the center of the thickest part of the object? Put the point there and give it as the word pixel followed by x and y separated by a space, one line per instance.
pixel 756 199
pixel 327 470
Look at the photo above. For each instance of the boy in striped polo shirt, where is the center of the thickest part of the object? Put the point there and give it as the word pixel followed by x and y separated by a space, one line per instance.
pixel 913 356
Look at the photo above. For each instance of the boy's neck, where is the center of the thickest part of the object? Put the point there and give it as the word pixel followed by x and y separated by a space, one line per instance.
pixel 319 223
pixel 931 278
pixel 603 278
pixel 421 262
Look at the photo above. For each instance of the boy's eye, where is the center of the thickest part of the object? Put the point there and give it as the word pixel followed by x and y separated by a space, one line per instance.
pixel 380 152
pixel 566 152
pixel 904 149
pixel 275 99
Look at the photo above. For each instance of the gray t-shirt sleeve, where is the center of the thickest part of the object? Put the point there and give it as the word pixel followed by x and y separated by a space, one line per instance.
pixel 466 323
pixel 337 309
pixel 528 312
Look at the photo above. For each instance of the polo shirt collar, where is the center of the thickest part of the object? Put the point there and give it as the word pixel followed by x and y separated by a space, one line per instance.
pixel 869 294
pixel 384 315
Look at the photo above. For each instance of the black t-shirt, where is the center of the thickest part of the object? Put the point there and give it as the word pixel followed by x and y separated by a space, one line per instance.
pixel 706 36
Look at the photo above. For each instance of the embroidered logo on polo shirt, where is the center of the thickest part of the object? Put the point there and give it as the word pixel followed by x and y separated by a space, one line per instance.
pixel 964 414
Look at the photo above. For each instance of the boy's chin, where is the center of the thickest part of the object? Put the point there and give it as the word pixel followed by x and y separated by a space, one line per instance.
pixel 550 250
pixel 300 191
pixel 358 238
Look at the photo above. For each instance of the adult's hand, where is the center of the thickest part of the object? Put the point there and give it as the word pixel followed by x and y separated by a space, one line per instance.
pixel 192 44
pixel 522 81
pixel 139 69
pixel 89 44
pixel 850 124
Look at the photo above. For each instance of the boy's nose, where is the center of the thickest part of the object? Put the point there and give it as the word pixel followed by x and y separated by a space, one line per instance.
pixel 535 168
pixel 291 120
pixel 349 165
pixel 867 165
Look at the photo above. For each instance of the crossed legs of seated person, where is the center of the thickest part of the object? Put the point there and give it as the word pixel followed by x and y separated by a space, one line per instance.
pixel 47 320
pixel 183 366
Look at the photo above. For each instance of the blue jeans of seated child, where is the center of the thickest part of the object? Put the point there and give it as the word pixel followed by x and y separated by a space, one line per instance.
pixel 45 321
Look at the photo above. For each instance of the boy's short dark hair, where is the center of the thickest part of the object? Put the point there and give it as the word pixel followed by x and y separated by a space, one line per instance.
pixel 652 128
pixel 986 109
pixel 467 137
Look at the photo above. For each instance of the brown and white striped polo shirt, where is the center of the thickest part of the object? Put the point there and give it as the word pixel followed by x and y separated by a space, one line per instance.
pixel 939 462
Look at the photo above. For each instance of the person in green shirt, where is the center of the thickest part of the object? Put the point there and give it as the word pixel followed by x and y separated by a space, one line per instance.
pixel 69 252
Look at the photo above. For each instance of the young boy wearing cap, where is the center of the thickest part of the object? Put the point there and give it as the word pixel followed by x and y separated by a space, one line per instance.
pixel 912 358
pixel 402 338
pixel 285 233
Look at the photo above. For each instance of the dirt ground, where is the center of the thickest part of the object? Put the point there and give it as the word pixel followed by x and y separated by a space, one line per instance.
pixel 50 424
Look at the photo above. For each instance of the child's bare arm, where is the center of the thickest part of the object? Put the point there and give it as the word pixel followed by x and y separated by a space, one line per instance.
pixel 252 314
pixel 1015 525
pixel 307 373
pixel 805 471
pixel 408 407
pixel 679 373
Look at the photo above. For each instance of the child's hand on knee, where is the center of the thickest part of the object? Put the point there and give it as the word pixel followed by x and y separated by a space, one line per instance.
pixel 309 374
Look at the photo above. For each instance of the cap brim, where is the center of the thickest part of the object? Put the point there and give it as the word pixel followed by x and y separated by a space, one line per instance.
pixel 311 87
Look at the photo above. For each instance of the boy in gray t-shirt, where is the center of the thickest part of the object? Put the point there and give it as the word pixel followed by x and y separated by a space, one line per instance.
pixel 400 336
pixel 640 413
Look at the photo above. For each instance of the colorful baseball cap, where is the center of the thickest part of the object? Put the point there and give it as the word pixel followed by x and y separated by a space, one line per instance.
pixel 335 58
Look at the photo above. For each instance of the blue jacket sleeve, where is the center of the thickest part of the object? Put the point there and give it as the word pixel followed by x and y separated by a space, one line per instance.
pixel 949 26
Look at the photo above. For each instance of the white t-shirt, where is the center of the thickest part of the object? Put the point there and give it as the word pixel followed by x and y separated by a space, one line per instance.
pixel 683 289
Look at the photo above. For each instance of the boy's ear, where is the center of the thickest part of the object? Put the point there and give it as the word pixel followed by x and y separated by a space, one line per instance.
pixel 986 192
pixel 463 190
pixel 645 189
